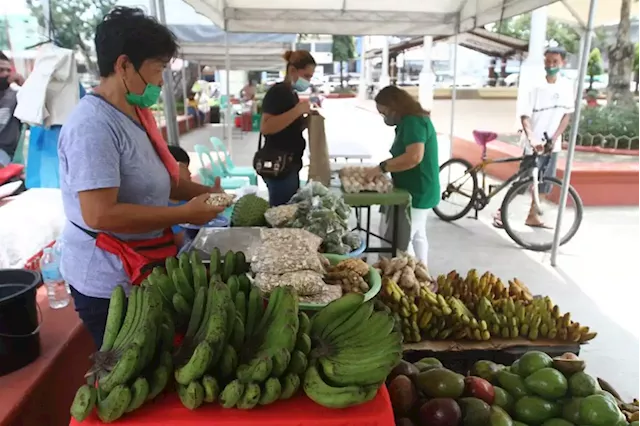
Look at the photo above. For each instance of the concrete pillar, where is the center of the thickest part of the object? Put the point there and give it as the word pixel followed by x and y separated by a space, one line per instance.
pixel 384 71
pixel 427 78
pixel 532 69
pixel 362 86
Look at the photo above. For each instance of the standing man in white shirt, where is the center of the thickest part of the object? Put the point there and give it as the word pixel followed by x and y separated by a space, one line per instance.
pixel 547 109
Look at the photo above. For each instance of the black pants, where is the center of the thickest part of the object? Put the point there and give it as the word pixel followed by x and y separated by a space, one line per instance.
pixel 93 313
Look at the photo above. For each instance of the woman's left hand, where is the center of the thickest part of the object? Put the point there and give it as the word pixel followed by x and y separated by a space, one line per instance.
pixel 372 173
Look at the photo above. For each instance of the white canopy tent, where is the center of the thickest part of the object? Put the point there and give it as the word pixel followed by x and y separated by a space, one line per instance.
pixel 360 17
pixel 577 12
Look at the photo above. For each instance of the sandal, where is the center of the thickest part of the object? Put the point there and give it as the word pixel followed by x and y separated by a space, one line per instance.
pixel 497 221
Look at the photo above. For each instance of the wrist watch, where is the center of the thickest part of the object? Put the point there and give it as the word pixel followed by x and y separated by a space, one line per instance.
pixel 383 166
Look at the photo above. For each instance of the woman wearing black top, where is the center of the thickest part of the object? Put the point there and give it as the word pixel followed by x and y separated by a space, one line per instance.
pixel 283 122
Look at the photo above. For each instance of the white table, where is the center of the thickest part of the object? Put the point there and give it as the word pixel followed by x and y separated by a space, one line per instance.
pixel 348 151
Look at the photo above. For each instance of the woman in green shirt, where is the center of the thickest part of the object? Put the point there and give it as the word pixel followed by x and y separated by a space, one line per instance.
pixel 414 160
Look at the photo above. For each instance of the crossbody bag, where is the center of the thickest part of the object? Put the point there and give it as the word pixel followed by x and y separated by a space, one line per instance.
pixel 271 163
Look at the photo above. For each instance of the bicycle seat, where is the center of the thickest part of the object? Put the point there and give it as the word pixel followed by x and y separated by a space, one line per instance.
pixel 483 137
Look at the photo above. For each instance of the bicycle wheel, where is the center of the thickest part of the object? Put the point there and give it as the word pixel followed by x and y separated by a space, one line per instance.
pixel 464 186
pixel 516 208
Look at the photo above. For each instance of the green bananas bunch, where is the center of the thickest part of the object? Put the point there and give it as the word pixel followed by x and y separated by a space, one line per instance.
pixel 134 361
pixel 355 350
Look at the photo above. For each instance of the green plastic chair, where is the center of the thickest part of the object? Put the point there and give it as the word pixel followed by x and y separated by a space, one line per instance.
pixel 228 167
pixel 208 174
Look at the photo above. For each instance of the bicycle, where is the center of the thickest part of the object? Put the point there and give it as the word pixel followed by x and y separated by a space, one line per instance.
pixel 525 180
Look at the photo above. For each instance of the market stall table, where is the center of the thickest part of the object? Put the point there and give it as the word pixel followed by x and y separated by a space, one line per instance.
pixel 398 199
pixel 41 393
pixel 348 151
pixel 298 411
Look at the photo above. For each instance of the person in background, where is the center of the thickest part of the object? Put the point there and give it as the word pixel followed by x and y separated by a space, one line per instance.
pixel 414 163
pixel 547 109
pixel 116 173
pixel 9 125
pixel 248 92
pixel 592 99
pixel 283 122
pixel 183 160
pixel 193 109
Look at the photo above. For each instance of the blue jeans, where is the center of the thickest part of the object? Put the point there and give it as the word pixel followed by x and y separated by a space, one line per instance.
pixel 281 190
pixel 4 158
pixel 93 313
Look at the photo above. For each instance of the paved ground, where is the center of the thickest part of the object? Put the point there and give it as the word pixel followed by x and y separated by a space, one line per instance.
pixel 594 277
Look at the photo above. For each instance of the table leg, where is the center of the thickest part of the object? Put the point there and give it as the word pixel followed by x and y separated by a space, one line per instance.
pixel 394 237
pixel 368 224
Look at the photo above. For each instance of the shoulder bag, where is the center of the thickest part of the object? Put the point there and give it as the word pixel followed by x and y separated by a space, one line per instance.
pixel 271 163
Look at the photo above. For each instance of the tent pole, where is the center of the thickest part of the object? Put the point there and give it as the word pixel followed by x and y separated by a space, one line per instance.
pixel 453 93
pixel 229 120
pixel 574 131
pixel 170 115
pixel 185 100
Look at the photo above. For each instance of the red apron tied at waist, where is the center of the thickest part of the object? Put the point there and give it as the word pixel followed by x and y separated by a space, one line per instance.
pixel 138 257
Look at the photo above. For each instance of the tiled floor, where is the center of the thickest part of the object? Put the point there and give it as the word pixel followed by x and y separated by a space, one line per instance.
pixel 596 278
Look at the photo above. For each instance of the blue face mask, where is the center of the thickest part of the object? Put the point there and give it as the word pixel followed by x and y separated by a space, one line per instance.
pixel 301 84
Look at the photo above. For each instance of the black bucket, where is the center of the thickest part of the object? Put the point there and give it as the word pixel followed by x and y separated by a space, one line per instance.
pixel 19 322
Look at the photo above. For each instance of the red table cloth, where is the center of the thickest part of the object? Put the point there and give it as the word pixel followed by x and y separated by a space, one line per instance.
pixel 299 411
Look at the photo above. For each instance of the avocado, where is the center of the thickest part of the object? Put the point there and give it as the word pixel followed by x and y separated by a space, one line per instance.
pixel 512 383
pixel 427 364
pixel 515 367
pixel 571 410
pixel 485 369
pixel 582 384
pixel 440 383
pixel 557 422
pixel 475 412
pixel 533 361
pixel 548 383
pixel 568 366
pixel 502 399
pixel 517 423
pixel 534 411
pixel 499 417
pixel 599 410
pixel 634 423
pixel 606 394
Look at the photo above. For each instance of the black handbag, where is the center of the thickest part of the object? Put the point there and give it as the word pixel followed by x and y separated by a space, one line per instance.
pixel 271 163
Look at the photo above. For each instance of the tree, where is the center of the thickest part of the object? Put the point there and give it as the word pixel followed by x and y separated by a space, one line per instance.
pixel 343 50
pixel 73 23
pixel 520 27
pixel 4 33
pixel 594 66
pixel 636 69
pixel 621 60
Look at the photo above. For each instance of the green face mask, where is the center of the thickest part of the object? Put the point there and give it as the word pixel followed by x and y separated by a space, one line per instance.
pixel 147 99
pixel 552 71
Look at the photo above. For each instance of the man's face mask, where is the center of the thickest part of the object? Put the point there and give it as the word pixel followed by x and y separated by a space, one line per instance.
pixel 552 71
pixel 4 83
pixel 147 99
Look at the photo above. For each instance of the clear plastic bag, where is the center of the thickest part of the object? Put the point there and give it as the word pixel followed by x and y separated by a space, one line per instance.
pixel 281 215
pixel 297 237
pixel 306 283
pixel 328 294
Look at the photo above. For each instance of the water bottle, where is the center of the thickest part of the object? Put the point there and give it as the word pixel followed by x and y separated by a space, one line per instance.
pixel 57 289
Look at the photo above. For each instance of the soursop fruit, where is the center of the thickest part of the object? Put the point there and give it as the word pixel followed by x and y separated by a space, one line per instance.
pixel 249 211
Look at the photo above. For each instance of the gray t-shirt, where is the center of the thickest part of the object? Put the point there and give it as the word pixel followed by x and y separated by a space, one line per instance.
pixel 101 147
pixel 9 125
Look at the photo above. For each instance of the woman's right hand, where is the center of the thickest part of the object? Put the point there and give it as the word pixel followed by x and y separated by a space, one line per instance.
pixel 303 107
pixel 198 212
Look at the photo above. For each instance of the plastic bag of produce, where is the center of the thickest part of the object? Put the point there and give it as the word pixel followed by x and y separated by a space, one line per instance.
pixel 306 283
pixel 310 190
pixel 294 237
pixel 281 215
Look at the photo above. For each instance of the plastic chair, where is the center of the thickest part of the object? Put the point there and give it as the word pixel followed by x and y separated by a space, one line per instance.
pixel 209 173
pixel 228 167
pixel 482 138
